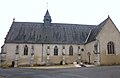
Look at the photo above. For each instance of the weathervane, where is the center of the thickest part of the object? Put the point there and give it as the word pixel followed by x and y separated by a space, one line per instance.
pixel 47 5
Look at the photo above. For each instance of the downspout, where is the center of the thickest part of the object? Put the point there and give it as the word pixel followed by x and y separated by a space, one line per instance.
pixel 42 53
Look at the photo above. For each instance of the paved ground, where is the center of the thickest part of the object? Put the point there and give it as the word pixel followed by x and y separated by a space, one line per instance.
pixel 82 72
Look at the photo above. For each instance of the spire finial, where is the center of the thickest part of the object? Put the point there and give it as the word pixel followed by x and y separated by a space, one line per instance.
pixel 14 19
pixel 47 5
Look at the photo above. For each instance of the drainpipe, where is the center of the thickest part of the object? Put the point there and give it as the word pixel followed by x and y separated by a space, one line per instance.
pixel 42 53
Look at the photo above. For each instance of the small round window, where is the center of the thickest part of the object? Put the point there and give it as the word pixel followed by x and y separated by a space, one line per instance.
pixel 82 49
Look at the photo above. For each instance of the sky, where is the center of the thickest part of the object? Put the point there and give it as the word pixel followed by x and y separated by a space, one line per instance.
pixel 91 12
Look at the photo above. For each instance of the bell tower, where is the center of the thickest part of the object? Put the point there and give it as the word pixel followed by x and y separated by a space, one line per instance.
pixel 47 19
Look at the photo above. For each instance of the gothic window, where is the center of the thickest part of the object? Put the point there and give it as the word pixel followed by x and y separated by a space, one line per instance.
pixel 32 48
pixel 48 50
pixel 17 47
pixel 26 50
pixel 70 50
pixel 63 47
pixel 47 19
pixel 95 48
pixel 78 49
pixel 110 47
pixel 56 51
pixel 63 50
pixel 48 47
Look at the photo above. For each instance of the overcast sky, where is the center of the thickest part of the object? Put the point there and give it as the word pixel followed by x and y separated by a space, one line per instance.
pixel 62 11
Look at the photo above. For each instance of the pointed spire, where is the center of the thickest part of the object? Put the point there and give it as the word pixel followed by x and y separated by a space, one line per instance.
pixel 47 19
pixel 47 13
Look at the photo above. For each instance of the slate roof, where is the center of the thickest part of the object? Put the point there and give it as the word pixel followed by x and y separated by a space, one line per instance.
pixel 28 32
pixel 56 33
pixel 95 31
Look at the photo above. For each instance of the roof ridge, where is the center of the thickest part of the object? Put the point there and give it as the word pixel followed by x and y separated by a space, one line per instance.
pixel 74 24
pixel 27 22
pixel 57 23
pixel 97 29
pixel 104 22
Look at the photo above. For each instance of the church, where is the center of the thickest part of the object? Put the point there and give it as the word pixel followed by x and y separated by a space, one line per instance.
pixel 47 43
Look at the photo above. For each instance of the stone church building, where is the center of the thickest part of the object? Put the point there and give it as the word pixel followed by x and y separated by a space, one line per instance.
pixel 35 43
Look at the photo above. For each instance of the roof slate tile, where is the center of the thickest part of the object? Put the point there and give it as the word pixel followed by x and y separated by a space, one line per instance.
pixel 28 32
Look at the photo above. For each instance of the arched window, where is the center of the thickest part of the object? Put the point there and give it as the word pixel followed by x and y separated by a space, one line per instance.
pixel 70 50
pixel 110 48
pixel 48 50
pixel 17 47
pixel 63 47
pixel 78 49
pixel 48 47
pixel 95 48
pixel 32 50
pixel 26 50
pixel 63 50
pixel 56 51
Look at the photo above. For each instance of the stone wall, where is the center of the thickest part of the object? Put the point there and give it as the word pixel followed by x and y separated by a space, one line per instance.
pixel 40 53
pixel 109 33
